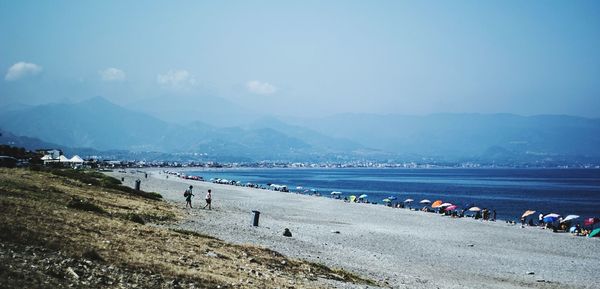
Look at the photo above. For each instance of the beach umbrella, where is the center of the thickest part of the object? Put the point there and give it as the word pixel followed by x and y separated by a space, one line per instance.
pixel 451 208
pixel 553 215
pixel 392 198
pixel 591 221
pixel 362 196
pixel 445 205
pixel 352 198
pixel 569 218
pixel 336 193
pixel 386 200
pixel 528 213
pixel 595 233
pixel 436 204
pixel 550 219
pixel 474 209
pixel 424 201
pixel 409 200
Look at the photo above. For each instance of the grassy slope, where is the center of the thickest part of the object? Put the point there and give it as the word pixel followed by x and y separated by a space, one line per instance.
pixel 60 229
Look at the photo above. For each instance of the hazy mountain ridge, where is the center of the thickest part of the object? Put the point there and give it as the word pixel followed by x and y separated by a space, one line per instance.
pixel 99 124
pixel 466 135
pixel 191 107
pixel 103 125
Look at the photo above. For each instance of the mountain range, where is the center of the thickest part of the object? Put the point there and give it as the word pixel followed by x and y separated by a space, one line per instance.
pixel 467 135
pixel 98 124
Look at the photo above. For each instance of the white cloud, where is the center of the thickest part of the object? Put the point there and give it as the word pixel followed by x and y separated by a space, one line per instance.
pixel 257 87
pixel 22 69
pixel 178 79
pixel 112 74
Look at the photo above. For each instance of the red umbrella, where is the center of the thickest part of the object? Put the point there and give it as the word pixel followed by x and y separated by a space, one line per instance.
pixel 591 221
pixel 451 208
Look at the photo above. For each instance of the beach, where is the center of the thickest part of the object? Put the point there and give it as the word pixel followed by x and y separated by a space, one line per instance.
pixel 398 248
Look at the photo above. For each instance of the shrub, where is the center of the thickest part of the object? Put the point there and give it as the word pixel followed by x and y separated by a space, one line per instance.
pixel 83 205
pixel 135 218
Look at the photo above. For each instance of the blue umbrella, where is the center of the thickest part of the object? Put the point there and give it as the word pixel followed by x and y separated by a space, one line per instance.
pixel 550 219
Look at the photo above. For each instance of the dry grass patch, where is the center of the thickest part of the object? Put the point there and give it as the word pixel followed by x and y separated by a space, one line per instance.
pixel 93 221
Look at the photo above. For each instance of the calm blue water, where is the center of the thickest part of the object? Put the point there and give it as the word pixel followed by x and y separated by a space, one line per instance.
pixel 509 191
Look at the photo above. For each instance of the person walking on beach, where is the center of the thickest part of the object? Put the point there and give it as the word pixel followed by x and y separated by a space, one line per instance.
pixel 188 196
pixel 208 200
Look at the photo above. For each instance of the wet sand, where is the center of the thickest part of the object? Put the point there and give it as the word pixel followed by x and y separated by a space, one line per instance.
pixel 398 247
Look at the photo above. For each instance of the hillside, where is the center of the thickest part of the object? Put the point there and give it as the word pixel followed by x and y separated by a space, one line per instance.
pixel 508 139
pixel 65 229
pixel 99 124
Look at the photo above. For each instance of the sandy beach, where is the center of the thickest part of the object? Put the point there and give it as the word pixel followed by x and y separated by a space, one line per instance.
pixel 397 247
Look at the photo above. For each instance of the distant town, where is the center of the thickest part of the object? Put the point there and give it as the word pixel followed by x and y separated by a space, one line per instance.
pixel 12 156
pixel 408 165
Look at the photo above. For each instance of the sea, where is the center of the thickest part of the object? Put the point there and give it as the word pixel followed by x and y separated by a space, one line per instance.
pixel 508 191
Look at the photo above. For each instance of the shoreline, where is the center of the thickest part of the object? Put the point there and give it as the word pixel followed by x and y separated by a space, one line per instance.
pixel 473 190
pixel 395 246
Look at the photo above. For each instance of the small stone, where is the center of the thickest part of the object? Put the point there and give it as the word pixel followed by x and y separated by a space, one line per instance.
pixel 471 245
pixel 72 273
pixel 212 254
pixel 529 272
pixel 287 233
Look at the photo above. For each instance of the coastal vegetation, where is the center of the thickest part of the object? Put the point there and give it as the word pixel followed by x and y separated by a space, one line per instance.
pixel 62 228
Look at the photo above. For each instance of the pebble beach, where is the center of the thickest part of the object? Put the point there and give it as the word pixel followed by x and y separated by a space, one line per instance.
pixel 399 248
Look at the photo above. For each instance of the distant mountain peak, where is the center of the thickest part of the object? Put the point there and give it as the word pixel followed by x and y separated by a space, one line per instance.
pixel 97 100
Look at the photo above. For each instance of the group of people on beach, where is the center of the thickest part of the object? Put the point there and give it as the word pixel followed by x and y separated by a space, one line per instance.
pixel 447 209
pixel 188 194
pixel 559 224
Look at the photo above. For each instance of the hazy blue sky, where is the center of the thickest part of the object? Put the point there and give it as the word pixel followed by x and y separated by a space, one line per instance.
pixel 309 58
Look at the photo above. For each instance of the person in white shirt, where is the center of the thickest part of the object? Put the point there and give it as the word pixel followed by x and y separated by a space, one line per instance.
pixel 208 200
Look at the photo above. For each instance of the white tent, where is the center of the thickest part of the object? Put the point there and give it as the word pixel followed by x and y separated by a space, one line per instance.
pixel 47 158
pixel 63 159
pixel 76 160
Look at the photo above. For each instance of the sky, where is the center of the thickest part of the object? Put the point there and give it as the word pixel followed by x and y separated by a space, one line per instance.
pixel 307 58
